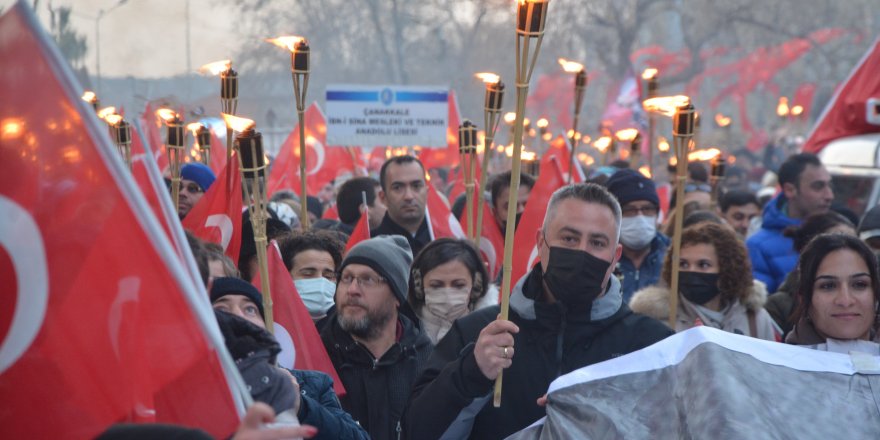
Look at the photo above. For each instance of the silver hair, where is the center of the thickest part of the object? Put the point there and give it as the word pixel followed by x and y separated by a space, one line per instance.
pixel 586 192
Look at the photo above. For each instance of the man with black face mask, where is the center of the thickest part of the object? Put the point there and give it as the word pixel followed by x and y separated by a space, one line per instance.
pixel 499 196
pixel 566 313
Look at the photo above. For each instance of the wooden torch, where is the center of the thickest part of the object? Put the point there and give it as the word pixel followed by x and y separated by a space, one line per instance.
pixel 580 85
pixel 491 117
pixel 174 145
pixel 228 101
pixel 467 149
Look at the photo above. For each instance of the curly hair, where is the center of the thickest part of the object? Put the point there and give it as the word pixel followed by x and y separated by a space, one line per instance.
pixel 442 251
pixel 735 280
pixel 312 240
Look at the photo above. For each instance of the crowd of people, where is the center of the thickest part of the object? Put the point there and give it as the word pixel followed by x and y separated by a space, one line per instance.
pixel 412 323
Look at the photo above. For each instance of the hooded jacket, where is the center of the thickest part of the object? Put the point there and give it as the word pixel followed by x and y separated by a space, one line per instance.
pixel 377 389
pixel 451 399
pixel 654 302
pixel 632 279
pixel 772 254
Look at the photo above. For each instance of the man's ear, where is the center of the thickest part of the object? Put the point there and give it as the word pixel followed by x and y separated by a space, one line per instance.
pixel 381 195
pixel 789 189
pixel 539 238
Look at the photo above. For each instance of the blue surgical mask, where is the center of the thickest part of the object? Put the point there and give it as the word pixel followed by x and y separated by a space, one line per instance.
pixel 317 294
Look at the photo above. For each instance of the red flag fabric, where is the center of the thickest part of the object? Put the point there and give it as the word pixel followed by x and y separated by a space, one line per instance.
pixel 445 157
pixel 855 108
pixel 331 213
pixel 301 346
pixel 216 218
pixel 151 124
pixel 149 189
pixel 441 222
pixel 360 233
pixel 323 163
pixel 525 251
pixel 218 154
pixel 624 105
pixel 491 239
pixel 100 323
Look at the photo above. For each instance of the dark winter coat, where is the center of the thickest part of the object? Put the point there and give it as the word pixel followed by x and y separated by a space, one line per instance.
pixel 377 389
pixel 772 254
pixel 320 407
pixel 631 279
pixel 416 243
pixel 451 399
pixel 781 304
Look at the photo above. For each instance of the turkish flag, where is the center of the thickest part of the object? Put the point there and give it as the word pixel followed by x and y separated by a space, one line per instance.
pixel 152 127
pixel 445 157
pixel 99 321
pixel 360 233
pixel 218 154
pixel 855 108
pixel 150 189
pixel 216 217
pixel 301 346
pixel 560 149
pixel 441 222
pixel 491 238
pixel 323 163
pixel 525 250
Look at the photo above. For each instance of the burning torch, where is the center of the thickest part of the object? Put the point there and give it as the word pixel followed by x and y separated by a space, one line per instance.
pixel 580 85
pixel 650 77
pixel 228 99
pixel 467 148
pixel 634 138
pixel 120 132
pixel 202 136
pixel 174 144
pixel 491 117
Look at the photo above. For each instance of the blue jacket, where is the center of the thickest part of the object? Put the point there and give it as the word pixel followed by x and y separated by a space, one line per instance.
pixel 320 407
pixel 772 254
pixel 631 279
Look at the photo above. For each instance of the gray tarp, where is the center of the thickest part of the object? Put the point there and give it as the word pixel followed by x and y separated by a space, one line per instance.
pixel 706 384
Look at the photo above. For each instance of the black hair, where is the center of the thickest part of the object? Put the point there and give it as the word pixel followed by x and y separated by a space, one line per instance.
pixel 812 226
pixel 198 251
pixel 458 206
pixel 500 182
pixel 348 199
pixel 790 170
pixel 397 160
pixel 700 217
pixel 313 240
pixel 737 198
pixel 697 172
pixel 442 251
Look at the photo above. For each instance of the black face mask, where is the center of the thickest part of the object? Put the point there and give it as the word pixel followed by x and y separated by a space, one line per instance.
pixel 697 287
pixel 575 277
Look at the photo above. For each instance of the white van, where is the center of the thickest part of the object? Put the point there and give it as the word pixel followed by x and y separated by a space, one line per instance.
pixel 854 164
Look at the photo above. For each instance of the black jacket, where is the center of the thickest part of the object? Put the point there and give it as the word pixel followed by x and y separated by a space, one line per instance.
pixel 416 243
pixel 320 407
pixel 451 399
pixel 377 389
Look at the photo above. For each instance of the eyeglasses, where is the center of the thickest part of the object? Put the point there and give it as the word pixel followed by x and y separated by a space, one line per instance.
pixel 632 211
pixel 191 187
pixel 365 281
pixel 691 187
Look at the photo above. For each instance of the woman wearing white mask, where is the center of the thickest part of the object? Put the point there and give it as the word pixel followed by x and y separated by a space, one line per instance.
pixel 447 281
pixel 313 259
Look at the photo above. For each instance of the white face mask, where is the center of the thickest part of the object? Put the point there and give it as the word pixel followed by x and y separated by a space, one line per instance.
pixel 448 303
pixel 317 295
pixel 637 232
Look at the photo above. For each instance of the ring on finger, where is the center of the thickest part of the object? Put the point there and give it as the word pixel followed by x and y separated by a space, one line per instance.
pixel 505 352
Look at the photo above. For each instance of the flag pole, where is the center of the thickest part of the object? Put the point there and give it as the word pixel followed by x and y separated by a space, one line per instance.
pixel 682 132
pixel 531 16
pixel 467 148
pixel 491 118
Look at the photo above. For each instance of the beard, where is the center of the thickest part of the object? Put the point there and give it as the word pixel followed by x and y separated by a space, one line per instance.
pixel 369 325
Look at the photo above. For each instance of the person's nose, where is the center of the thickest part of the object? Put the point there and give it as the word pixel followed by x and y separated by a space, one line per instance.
pixel 844 297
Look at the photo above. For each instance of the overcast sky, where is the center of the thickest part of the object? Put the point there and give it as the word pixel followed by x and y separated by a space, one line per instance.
pixel 146 38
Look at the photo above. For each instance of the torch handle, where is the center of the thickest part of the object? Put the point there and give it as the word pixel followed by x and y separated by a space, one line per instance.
pixel 265 286
pixel 481 190
pixel 304 211
pixel 574 144
pixel 680 178
pixel 652 143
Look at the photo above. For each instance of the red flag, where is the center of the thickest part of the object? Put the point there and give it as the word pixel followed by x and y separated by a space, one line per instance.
pixel 323 163
pixel 360 233
pixel 525 251
pixel 216 217
pixel 151 192
pixel 491 238
pixel 151 124
pixel 218 154
pixel 301 346
pixel 445 157
pixel 100 322
pixel 855 108
pixel 331 213
pixel 441 222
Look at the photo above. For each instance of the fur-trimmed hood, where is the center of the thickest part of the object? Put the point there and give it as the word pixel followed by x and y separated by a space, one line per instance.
pixel 653 301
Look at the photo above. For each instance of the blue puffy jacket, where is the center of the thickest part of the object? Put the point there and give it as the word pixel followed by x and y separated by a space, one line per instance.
pixel 772 254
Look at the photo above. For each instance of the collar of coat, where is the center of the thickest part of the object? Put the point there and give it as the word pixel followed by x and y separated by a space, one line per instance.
pixel 653 301
pixel 603 307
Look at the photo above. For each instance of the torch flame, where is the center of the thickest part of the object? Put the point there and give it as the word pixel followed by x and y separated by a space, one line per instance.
pixel 113 119
pixel 721 120
pixel 645 171
pixel 509 117
pixel 797 110
pixel 194 127
pixel 166 114
pixel 237 123
pixel 703 155
pixel 602 143
pixel 106 111
pixel 649 73
pixel 662 144
pixel 528 155
pixel 216 67
pixel 288 42
pixel 543 123
pixel 666 105
pixel 488 77
pixel 89 96
pixel 11 128
pixel 586 159
pixel 570 66
pixel 782 106
pixel 627 134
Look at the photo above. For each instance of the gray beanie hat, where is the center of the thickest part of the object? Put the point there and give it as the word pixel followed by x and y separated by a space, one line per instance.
pixel 390 256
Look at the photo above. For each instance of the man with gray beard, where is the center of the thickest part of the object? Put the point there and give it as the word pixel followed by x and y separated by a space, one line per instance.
pixel 374 340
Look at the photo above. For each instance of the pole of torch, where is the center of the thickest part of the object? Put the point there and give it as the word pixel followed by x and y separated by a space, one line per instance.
pixel 299 70
pixel 175 147
pixel 467 134
pixel 531 17
pixel 491 118
pixel 683 132
pixel 229 104
pixel 580 84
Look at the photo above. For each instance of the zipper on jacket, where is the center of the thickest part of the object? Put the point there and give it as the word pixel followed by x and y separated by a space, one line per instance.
pixel 559 340
pixel 398 430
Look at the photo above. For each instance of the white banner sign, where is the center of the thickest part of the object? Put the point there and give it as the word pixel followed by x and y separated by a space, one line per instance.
pixel 379 116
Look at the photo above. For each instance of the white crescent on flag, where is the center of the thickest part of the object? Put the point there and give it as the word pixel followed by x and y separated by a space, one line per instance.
pixel 21 238
pixel 127 293
pixel 319 155
pixel 489 251
pixel 287 357
pixel 224 224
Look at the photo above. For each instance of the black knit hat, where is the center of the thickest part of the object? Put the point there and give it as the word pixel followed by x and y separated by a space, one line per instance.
pixel 630 185
pixel 390 256
pixel 869 227
pixel 236 286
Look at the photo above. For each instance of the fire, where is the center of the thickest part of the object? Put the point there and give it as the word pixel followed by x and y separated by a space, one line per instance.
pixel 645 171
pixel 106 111
pixel 11 128
pixel 797 110
pixel 89 96
pixel 194 127
pixel 488 77
pixel 703 155
pixel 167 114
pixel 216 67
pixel 721 120
pixel 627 134
pixel 673 161
pixel 528 155
pixel 113 119
pixel 570 66
pixel 288 42
pixel 547 136
pixel 782 107
pixel 238 124
pixel 602 143
pixel 666 105
pixel 662 144
pixel 586 159
pixel 543 123
pixel 509 117
pixel 649 73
